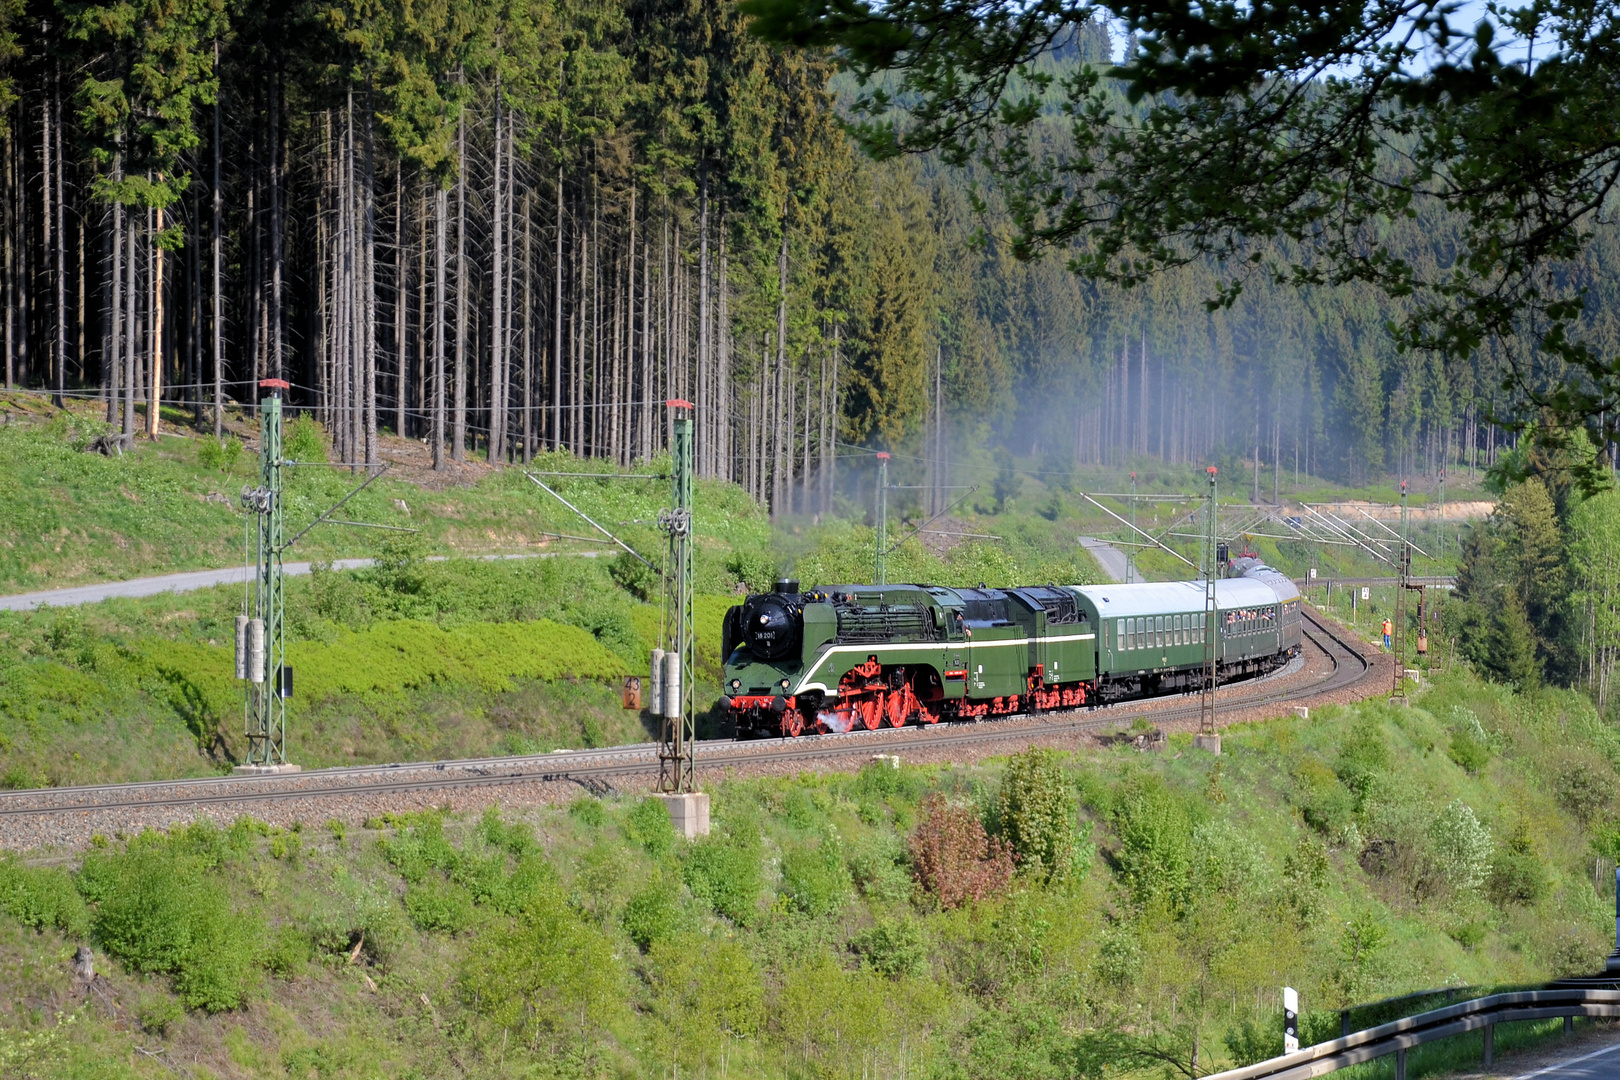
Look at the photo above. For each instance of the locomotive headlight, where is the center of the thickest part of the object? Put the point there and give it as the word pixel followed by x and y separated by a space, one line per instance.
pixel 736 684
pixel 784 684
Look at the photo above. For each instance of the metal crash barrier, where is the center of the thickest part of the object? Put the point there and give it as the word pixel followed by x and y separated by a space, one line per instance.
pixel 1398 1036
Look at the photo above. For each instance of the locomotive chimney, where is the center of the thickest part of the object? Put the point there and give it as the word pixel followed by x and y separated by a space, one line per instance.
pixel 787 586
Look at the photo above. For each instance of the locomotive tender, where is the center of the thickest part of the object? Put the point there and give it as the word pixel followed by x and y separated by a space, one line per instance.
pixel 846 656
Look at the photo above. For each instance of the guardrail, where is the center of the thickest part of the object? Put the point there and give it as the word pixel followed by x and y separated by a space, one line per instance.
pixel 1398 1036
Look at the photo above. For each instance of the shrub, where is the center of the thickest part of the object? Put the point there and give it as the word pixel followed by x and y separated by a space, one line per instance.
pixel 953 857
pixel 723 870
pixel 1517 876
pixel 816 879
pixel 437 904
pixel 1154 858
pixel 879 869
pixel 38 897
pixel 893 947
pixel 588 811
pixel 220 454
pixel 160 911
pixel 1364 757
pixel 1251 1042
pixel 1038 814
pixel 158 1013
pixel 304 440
pixel 550 978
pixel 1582 790
pixel 287 953
pixel 516 838
pixel 652 915
pixel 1325 803
pixel 1460 847
pixel 649 827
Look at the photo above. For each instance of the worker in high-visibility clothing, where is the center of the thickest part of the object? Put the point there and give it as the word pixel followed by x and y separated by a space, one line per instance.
pixel 1389 629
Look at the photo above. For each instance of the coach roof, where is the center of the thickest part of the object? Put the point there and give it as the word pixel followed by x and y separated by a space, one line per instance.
pixel 1172 597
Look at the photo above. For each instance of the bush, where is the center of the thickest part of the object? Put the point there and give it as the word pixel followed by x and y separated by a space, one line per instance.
pixel 652 915
pixel 815 879
pixel 893 947
pixel 1364 757
pixel 1517 876
pixel 159 910
pixel 1154 858
pixel 1582 790
pixel 1250 1043
pixel 1460 847
pixel 437 904
pixel 723 870
pixel 38 897
pixel 1038 814
pixel 220 454
pixel 288 952
pixel 954 858
pixel 304 440
pixel 588 811
pixel 648 826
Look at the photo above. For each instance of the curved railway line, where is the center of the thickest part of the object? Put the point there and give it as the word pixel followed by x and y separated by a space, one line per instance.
pixel 69 816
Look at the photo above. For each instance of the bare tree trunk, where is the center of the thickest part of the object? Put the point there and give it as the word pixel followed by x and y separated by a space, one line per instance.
pixel 497 359
pixel 218 299
pixel 368 296
pixel 555 420
pixel 277 232
pixel 441 213
pixel 402 302
pixel 704 450
pixel 131 329
pixel 458 436
pixel 154 402
pixel 528 326
pixel 722 405
pixel 648 350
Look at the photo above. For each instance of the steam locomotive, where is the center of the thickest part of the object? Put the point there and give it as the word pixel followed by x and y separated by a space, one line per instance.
pixel 835 658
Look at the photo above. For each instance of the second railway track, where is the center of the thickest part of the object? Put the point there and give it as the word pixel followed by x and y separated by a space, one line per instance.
pixel 70 815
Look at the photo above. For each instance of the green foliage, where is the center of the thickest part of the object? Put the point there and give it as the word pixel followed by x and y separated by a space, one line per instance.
pixel 219 454
pixel 1250 1042
pixel 815 879
pixel 648 825
pixel 1037 814
pixel 652 914
pixel 893 947
pixel 303 440
pixel 1155 853
pixel 160 907
pixel 42 897
pixel 548 978
pixel 437 904
pixel 724 871
pixel 1325 803
pixel 391 657
pixel 588 810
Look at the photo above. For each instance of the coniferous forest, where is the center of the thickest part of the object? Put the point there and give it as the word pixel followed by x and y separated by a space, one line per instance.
pixel 515 227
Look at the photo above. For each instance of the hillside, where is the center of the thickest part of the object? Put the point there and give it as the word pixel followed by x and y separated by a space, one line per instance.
pixel 847 925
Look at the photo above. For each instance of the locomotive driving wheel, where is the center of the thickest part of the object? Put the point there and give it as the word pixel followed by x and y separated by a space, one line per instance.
pixel 792 724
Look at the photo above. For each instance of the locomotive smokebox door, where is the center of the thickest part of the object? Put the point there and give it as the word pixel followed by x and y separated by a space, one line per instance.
pixel 632 692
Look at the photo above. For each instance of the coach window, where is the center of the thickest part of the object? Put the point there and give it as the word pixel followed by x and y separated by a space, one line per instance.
pixel 1158 629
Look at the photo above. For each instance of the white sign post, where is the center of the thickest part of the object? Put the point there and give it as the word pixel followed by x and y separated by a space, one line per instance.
pixel 1290 1019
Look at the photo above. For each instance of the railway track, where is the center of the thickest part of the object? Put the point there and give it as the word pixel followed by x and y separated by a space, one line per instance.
pixel 70 815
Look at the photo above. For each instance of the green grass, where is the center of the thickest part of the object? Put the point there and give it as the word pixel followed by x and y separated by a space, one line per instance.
pixel 73 517
pixel 588 940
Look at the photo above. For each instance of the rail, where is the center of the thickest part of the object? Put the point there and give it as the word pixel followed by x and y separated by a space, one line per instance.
pixel 1399 1036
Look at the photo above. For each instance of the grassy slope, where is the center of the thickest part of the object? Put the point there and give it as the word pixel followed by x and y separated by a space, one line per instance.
pixel 71 517
pixel 1199 891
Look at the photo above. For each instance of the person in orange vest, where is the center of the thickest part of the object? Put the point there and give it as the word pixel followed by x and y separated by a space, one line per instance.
pixel 1389 628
